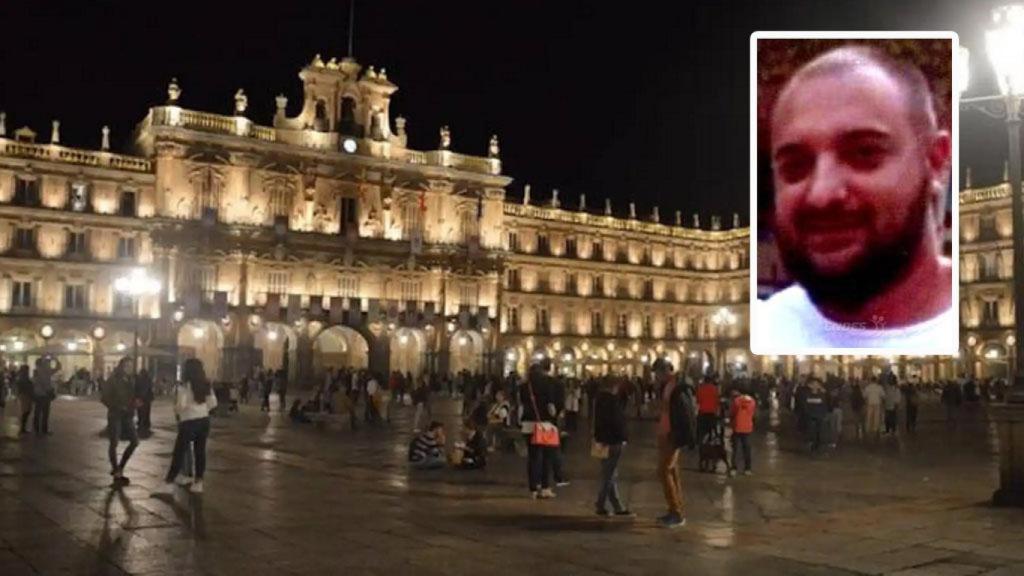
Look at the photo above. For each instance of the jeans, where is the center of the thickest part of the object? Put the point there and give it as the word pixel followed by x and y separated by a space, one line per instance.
pixel 191 434
pixel 609 491
pixel 144 415
pixel 41 416
pixel 668 473
pixel 740 440
pixel 815 432
pixel 911 417
pixel 890 421
pixel 430 463
pixel 118 424
pixel 540 463
pixel 25 400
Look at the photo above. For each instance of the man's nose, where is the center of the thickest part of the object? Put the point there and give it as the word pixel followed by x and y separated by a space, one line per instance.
pixel 828 182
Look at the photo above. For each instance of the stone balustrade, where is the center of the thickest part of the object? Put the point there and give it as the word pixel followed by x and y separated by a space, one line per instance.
pixel 58 153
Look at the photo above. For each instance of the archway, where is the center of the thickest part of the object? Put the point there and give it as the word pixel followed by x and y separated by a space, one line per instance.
pixel 114 346
pixel 515 360
pixel 994 360
pixel 339 347
pixel 203 340
pixel 278 344
pixel 466 349
pixel 73 349
pixel 408 347
pixel 14 343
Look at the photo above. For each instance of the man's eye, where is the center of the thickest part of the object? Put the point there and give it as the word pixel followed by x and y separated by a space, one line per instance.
pixel 795 168
pixel 865 157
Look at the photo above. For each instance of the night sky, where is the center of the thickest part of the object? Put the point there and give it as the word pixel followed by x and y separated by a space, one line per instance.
pixel 640 101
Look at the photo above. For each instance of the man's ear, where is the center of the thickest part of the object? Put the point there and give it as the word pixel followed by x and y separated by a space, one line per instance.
pixel 939 156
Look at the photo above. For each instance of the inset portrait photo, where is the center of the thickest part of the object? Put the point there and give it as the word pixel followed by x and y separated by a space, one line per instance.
pixel 853 193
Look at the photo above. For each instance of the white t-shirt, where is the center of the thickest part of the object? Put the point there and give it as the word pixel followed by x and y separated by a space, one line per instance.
pixel 789 321
pixel 372 387
pixel 873 394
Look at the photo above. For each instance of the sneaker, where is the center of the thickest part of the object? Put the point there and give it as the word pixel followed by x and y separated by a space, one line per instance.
pixel 546 494
pixel 747 473
pixel 197 487
pixel 672 521
pixel 562 484
pixel 182 480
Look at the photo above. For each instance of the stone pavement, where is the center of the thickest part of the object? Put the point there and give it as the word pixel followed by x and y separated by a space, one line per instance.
pixel 282 499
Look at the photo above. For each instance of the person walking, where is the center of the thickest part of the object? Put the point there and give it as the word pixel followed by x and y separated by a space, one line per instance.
pixel 874 394
pixel 23 384
pixel 192 406
pixel 144 392
pixel 43 393
pixel 910 402
pixel 119 398
pixel 857 408
pixel 741 412
pixel 266 387
pixel 610 436
pixel 891 402
pixel 675 431
pixel 282 390
pixel 537 402
pixel 816 409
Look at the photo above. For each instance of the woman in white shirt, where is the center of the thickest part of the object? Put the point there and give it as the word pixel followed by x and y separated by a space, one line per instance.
pixel 193 403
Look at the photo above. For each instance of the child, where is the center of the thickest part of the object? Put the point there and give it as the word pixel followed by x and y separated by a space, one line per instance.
pixel 474 451
pixel 425 450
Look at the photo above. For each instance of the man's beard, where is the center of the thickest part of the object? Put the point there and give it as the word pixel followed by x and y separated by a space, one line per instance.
pixel 881 264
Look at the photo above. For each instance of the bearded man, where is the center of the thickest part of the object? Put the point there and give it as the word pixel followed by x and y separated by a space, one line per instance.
pixel 860 170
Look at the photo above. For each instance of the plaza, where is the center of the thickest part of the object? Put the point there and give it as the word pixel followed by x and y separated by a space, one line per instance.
pixel 295 499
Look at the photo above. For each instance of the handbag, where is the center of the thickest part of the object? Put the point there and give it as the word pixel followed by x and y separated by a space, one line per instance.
pixel 544 433
pixel 598 450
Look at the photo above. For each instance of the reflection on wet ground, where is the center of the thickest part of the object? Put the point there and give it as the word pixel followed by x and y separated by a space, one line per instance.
pixel 282 500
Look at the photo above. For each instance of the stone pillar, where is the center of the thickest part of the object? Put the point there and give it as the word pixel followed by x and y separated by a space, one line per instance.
pixel 1009 419
pixel 304 359
pixel 380 354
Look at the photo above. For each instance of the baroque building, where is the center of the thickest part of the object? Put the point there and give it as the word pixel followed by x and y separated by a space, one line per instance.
pixel 322 240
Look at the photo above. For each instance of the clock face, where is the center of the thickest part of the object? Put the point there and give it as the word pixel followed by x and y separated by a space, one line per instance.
pixel 349 145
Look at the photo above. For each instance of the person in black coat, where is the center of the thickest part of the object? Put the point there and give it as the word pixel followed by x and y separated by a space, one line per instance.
pixel 538 399
pixel 610 431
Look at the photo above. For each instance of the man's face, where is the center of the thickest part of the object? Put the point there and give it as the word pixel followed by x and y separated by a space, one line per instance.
pixel 852 182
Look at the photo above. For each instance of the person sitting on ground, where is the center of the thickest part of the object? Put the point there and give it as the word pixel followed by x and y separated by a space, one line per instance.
pixel 498 419
pixel 426 449
pixel 297 414
pixel 474 450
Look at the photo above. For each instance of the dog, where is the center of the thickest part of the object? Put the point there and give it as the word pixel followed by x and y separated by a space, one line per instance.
pixel 712 451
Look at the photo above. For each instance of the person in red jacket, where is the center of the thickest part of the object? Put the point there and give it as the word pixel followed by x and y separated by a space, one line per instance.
pixel 741 414
pixel 707 409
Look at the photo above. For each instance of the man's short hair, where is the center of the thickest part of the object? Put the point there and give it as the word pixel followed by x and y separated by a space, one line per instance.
pixel 434 426
pixel 920 101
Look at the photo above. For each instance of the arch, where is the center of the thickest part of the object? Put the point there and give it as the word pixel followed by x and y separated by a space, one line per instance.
pixel 339 347
pixel 114 346
pixel 466 349
pixel 204 340
pixel 278 344
pixel 515 359
pixel 15 342
pixel 74 350
pixel 408 348
pixel 320 121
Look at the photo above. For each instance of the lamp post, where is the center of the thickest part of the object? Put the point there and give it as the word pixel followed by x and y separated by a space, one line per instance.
pixel 1005 48
pixel 135 285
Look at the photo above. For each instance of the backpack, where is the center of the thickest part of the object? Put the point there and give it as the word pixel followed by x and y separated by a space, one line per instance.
pixel 682 417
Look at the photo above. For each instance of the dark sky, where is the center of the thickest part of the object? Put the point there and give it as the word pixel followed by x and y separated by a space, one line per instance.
pixel 641 101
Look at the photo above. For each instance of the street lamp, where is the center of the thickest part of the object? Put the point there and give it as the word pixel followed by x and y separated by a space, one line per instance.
pixel 135 285
pixel 1004 46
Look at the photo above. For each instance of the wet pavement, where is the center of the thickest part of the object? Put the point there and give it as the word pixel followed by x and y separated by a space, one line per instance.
pixel 286 499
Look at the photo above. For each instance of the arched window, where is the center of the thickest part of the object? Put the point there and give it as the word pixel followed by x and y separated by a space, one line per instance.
pixel 347 124
pixel 321 122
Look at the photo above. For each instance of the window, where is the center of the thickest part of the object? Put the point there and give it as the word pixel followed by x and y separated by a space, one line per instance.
pixel 78 197
pixel 570 284
pixel 622 328
pixel 692 327
pixel 123 304
pixel 74 297
pixel 647 326
pixel 413 222
pixel 596 251
pixel 570 321
pixel 21 294
pixel 126 247
pixel 991 311
pixel 277 282
pixel 348 286
pixel 411 290
pixel 514 281
pixel 670 326
pixel 597 323
pixel 513 319
pixel 280 200
pixel 76 244
pixel 513 241
pixel 468 294
pixel 649 289
pixel 543 326
pixel 467 225
pixel 543 245
pixel 570 247
pixel 25 239
pixel 598 280
pixel 26 191
pixel 127 206
pixel 349 216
